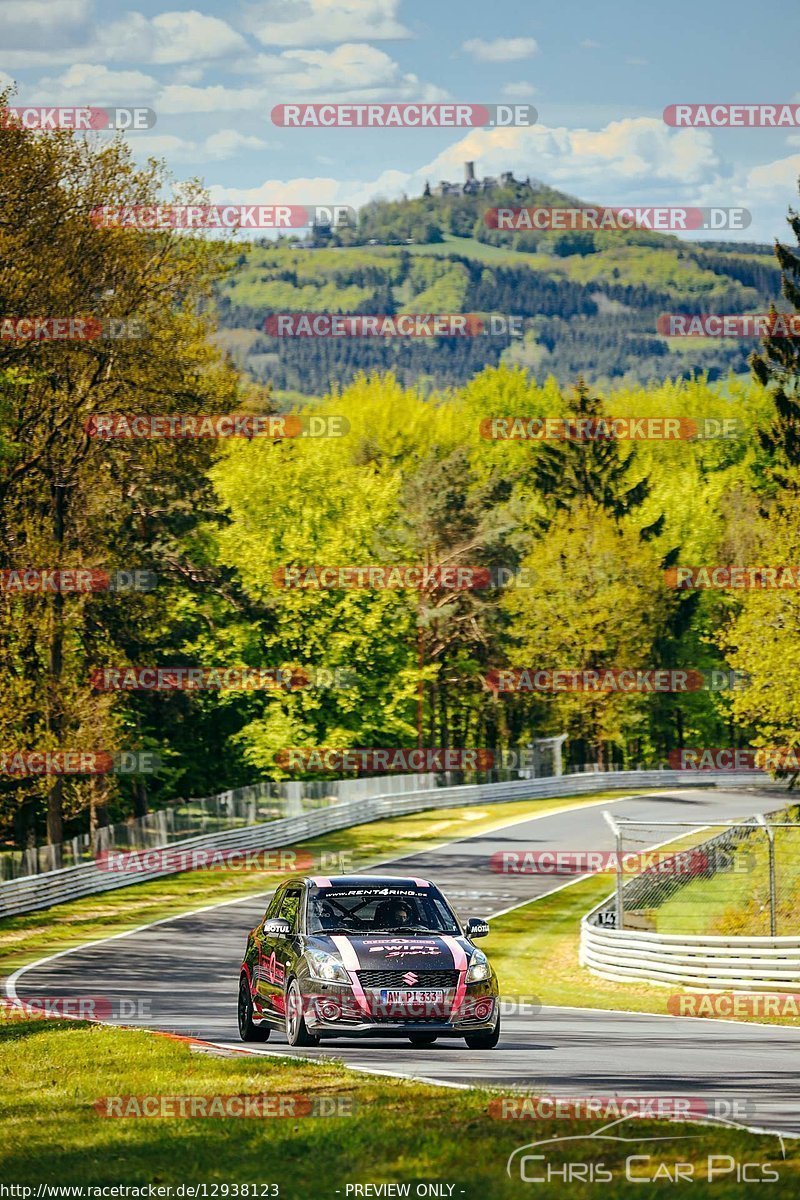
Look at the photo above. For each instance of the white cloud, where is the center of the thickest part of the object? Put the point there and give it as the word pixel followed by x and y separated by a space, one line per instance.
pixel 353 71
pixel 184 98
pixel 519 91
pixel 308 190
pixel 588 44
pixel 501 49
pixel 224 144
pixel 637 161
pixel 637 153
pixel 317 22
pixel 618 164
pixel 88 83
pixel 187 74
pixel 227 143
pixel 35 24
pixel 621 163
pixel 782 173
pixel 167 38
pixel 176 37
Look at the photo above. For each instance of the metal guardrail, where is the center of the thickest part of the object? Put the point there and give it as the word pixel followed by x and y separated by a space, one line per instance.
pixel 71 883
pixel 254 804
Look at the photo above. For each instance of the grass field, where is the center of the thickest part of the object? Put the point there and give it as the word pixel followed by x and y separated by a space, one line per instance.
pixel 55 1073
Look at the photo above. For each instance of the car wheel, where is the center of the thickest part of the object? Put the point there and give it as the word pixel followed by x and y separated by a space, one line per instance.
pixel 248 1030
pixel 484 1041
pixel 296 1032
pixel 422 1039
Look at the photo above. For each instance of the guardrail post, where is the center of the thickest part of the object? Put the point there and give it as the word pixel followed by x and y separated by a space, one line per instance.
pixel 620 903
pixel 772 891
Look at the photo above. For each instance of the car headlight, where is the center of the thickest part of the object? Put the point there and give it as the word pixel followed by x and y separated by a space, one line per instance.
pixel 326 967
pixel 478 968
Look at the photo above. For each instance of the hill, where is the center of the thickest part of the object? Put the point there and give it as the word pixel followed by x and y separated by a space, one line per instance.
pixel 587 301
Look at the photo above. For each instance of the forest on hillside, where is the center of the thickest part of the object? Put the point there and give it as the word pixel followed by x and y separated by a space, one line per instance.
pixel 586 532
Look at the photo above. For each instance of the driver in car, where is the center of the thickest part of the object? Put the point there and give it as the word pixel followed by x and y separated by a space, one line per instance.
pixel 396 914
pixel 325 915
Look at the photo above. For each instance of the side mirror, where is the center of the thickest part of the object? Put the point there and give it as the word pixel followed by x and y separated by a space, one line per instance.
pixel 276 927
pixel 476 928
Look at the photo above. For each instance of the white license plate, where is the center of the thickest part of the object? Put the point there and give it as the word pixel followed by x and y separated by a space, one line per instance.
pixel 412 996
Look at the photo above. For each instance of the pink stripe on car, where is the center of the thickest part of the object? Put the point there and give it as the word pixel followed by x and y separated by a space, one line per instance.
pixel 460 963
pixel 351 965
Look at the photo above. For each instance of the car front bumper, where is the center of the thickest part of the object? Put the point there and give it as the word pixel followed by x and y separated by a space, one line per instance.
pixel 334 1012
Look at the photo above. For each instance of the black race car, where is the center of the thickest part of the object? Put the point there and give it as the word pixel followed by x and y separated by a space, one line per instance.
pixel 366 956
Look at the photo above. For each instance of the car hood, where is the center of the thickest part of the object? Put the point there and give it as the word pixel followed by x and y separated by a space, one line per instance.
pixel 426 952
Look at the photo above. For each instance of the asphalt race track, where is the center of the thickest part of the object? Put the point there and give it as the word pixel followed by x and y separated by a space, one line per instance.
pixel 185 971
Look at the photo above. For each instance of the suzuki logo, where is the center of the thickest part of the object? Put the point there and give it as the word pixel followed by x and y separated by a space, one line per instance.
pixel 410 977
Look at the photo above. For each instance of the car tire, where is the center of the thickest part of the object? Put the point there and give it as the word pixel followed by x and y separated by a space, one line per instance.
pixel 484 1041
pixel 248 1030
pixel 296 1032
pixel 422 1039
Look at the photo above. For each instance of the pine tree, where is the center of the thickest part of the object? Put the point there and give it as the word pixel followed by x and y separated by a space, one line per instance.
pixel 778 363
pixel 570 471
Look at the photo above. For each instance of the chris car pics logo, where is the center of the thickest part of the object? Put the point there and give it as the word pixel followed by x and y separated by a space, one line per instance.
pixel 658 1158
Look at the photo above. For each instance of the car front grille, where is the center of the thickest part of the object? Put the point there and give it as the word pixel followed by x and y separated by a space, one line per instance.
pixel 396 980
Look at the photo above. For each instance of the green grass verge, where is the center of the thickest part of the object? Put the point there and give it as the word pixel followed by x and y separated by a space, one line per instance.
pixel 26 938
pixel 399 1131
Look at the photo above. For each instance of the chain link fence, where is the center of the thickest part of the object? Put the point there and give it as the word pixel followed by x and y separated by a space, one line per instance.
pixel 739 878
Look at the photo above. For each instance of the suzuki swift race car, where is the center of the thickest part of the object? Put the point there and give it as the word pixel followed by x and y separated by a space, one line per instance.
pixel 366 956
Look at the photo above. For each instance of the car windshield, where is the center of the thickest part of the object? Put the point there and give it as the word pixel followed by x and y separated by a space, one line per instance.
pixel 380 909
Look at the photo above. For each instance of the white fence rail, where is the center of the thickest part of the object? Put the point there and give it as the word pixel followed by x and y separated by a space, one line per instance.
pixel 56 887
pixel 718 963
pixel 255 804
pixel 710 961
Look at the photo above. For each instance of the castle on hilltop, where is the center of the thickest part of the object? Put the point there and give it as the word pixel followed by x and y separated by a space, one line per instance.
pixel 473 186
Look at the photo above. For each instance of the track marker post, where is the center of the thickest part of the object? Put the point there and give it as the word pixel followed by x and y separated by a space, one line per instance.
pixel 615 829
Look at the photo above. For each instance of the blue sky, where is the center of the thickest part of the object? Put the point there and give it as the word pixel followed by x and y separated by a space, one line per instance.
pixel 599 76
